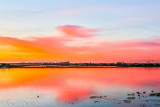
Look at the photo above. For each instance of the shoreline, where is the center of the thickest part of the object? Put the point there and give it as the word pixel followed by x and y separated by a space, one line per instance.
pixel 88 67
pixel 76 65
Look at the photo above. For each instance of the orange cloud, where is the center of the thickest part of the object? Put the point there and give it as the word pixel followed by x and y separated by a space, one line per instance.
pixel 76 43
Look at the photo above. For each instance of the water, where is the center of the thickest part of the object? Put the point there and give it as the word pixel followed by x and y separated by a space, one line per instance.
pixel 79 87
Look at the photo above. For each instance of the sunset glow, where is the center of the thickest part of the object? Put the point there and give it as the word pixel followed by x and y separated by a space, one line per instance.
pixel 75 43
pixel 99 31
pixel 79 53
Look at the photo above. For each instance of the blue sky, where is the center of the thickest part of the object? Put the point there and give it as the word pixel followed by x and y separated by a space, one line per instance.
pixel 115 19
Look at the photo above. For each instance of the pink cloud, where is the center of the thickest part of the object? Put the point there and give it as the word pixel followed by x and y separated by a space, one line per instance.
pixel 132 19
pixel 143 18
pixel 89 9
pixel 154 17
pixel 77 31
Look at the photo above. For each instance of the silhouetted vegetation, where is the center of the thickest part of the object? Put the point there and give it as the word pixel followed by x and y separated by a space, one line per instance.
pixel 75 65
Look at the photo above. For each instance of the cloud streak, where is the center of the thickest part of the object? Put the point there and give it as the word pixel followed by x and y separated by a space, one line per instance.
pixel 77 43
pixel 84 10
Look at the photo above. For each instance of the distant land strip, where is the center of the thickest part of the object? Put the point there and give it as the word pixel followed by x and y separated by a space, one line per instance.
pixel 75 65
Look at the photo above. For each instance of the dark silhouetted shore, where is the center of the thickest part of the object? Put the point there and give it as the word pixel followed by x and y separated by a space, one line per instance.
pixel 75 65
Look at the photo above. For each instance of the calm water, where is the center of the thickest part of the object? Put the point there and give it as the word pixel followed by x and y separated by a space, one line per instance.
pixel 79 87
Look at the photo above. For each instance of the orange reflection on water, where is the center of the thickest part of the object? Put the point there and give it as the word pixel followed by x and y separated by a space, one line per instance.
pixel 70 83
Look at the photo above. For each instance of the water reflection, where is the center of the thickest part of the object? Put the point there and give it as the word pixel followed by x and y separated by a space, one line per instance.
pixel 44 87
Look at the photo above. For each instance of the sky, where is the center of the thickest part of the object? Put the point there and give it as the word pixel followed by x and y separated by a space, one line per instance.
pixel 79 30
